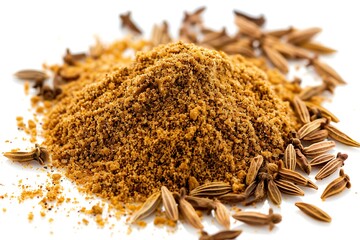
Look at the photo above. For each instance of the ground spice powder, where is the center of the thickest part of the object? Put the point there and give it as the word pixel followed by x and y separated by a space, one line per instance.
pixel 177 112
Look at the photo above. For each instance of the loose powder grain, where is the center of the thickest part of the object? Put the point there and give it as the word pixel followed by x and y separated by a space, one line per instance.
pixel 178 112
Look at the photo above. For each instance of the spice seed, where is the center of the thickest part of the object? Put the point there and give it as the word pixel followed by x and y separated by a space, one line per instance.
pixel 339 136
pixel 255 218
pixel 171 209
pixel 337 185
pixel 213 189
pixel 222 235
pixel 189 214
pixel 290 157
pixel 322 159
pixel 254 167
pixel 301 36
pixel 222 214
pixel 30 74
pixel 301 109
pixel 310 127
pixel 319 148
pixel 313 211
pixel 274 192
pixel 289 188
pixel 149 207
pixel 331 166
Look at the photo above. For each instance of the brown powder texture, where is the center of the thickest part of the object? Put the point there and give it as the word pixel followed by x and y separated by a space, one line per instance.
pixel 178 112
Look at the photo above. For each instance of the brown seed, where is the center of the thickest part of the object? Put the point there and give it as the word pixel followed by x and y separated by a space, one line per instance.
pixel 280 32
pixel 149 207
pixel 250 189
pixel 195 17
pixel 273 192
pixel 276 59
pixel 326 113
pixel 317 136
pixel 253 170
pixel 247 27
pixel 313 211
pixel 31 75
pixel 171 209
pixel 201 203
pixel 339 136
pixel 238 49
pixel 331 166
pixel 222 214
pixel 312 91
pixel 72 58
pixel 255 218
pixel 126 22
pixel 290 157
pixel 257 20
pixel 301 36
pixel 232 198
pixel 213 189
pixel 39 154
pixel 260 192
pixel 301 109
pixel 322 159
pixel 324 69
pixel 289 188
pixel 294 177
pixel 302 162
pixel 311 127
pixel 337 185
pixel 319 148
pixel 222 235
pixel 189 213
pixel 317 47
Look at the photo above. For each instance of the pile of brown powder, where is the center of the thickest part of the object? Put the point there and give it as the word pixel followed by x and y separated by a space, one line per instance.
pixel 178 112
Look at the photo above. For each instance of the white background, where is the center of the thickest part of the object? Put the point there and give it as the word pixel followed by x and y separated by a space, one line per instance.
pixel 34 32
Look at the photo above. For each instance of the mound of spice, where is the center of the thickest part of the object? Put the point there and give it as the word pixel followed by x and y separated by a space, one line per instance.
pixel 180 115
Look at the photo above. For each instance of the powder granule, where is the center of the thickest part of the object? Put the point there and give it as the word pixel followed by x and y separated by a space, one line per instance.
pixel 178 111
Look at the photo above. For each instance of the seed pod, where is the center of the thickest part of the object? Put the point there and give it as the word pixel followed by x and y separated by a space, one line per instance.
pixel 201 203
pixel 301 36
pixel 294 177
pixel 31 75
pixel 331 166
pixel 302 162
pixel 289 188
pixel 301 109
pixel 339 136
pixel 322 159
pixel 171 209
pixel 337 186
pixel 313 211
pixel 222 214
pixel 290 157
pixel 222 235
pixel 274 192
pixel 325 70
pixel 150 205
pixel 311 127
pixel 232 198
pixel 253 170
pixel 213 189
pixel 247 27
pixel 317 47
pixel 189 213
pixel 319 148
pixel 324 112
pixel 276 59
pixel 255 218
pixel 317 136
